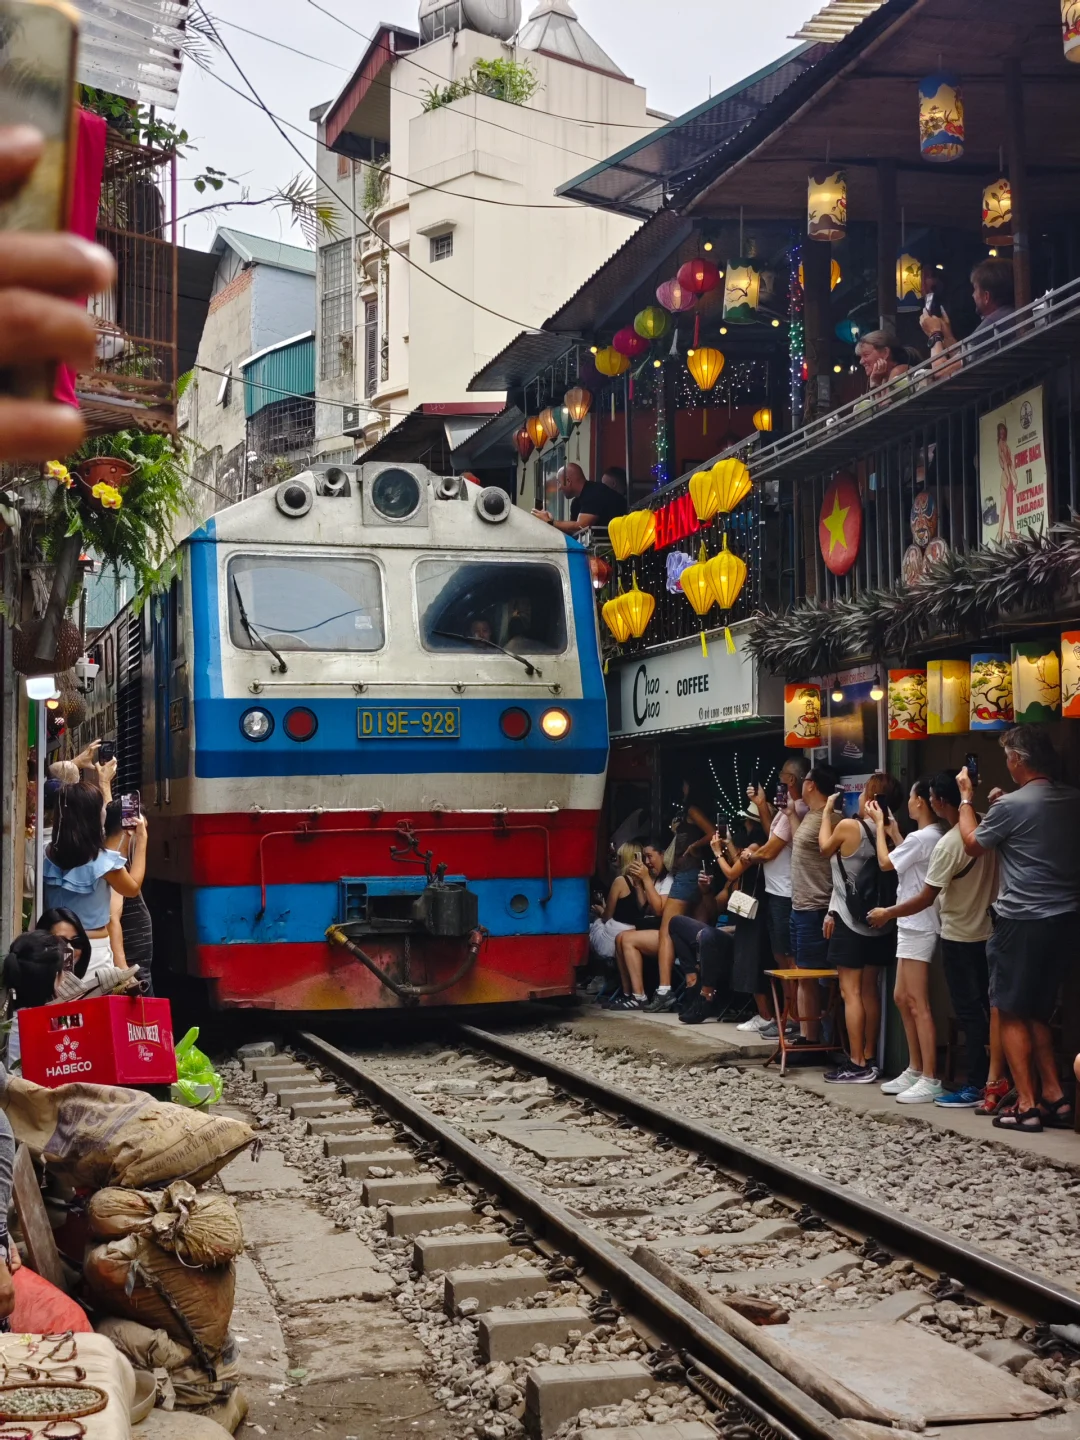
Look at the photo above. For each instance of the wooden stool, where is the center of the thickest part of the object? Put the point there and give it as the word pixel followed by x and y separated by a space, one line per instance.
pixel 786 1012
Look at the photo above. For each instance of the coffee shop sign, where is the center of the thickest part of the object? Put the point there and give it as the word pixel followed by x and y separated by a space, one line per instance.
pixel 683 689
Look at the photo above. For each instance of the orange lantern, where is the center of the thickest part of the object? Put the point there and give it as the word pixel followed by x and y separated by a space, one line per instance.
pixel 610 363
pixel 698 590
pixel 578 401
pixel 733 483
pixel 550 424
pixel 537 433
pixel 636 607
pixel 726 574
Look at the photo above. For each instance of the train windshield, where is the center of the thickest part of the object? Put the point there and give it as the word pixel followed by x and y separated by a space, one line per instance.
pixel 305 602
pixel 469 605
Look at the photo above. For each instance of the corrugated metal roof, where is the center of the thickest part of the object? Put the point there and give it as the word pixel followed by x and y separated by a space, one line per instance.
pixel 837 19
pixel 519 361
pixel 639 179
pixel 132 48
pixel 555 29
pixel 492 443
pixel 257 250
pixel 279 373
pixel 612 285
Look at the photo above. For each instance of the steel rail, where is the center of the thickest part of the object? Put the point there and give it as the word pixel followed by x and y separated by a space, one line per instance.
pixel 792 1413
pixel 1024 1293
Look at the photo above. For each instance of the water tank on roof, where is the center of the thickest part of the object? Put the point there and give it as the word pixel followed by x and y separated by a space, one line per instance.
pixel 500 18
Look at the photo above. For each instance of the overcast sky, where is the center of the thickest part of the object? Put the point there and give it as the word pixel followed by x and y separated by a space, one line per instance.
pixel 680 50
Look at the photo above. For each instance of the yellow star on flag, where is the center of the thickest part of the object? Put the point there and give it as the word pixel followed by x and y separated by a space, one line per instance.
pixel 835 523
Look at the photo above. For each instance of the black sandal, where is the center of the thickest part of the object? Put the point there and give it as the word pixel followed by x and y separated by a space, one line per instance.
pixel 1057 1114
pixel 1028 1122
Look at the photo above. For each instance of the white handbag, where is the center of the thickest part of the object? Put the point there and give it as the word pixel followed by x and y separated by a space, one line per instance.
pixel 742 905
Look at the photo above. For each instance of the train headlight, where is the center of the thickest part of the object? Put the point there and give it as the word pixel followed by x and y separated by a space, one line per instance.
pixel 555 724
pixel 257 724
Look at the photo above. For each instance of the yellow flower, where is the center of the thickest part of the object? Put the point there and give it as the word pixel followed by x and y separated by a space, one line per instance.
pixel 56 470
pixel 107 495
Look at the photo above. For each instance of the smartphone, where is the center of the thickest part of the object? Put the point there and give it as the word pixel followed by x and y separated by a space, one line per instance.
pixel 106 752
pixel 130 810
pixel 971 763
pixel 783 797
pixel 38 41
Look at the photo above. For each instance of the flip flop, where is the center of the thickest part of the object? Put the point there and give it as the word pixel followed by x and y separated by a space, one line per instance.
pixel 1028 1122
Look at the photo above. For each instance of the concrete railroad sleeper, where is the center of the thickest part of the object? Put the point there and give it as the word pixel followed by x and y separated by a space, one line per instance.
pixel 987 1277
pixel 718 1365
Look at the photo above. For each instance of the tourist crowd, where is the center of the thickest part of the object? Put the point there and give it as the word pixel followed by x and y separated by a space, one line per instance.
pixel 992 894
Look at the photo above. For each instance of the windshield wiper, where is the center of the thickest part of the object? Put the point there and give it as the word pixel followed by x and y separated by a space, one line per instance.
pixel 530 668
pixel 252 633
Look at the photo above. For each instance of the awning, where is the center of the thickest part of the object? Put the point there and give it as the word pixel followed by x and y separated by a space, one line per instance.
pixel 133 48
pixel 518 363
pixel 427 435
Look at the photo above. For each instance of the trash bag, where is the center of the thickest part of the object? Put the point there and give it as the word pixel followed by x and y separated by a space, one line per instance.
pixel 197 1082
pixel 42 1309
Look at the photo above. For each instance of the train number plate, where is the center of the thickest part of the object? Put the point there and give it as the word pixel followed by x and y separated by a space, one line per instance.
pixel 413 722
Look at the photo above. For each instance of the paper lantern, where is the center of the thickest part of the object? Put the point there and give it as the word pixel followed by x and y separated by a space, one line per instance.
pixel 705 495
pixel 578 402
pixel 763 419
pixel 802 717
pixel 991 692
pixel 705 366
pixel 733 483
pixel 941 117
pixel 726 574
pixel 675 297
pixel 1070 29
pixel 564 420
pixel 610 362
pixel 826 205
pixel 907 705
pixel 840 524
pixel 1036 682
pixel 742 293
pixel 600 571
pixel 651 322
pixel 697 587
pixel 849 331
pixel 948 697
pixel 615 620
pixel 629 343
pixel 1070 674
pixel 997 213
pixel 632 534
pixel 909 291
pixel 699 276
pixel 537 433
pixel 637 607
pixel 523 442
pixel 835 274
pixel 550 424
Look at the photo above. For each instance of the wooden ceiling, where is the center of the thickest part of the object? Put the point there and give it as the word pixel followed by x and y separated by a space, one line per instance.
pixel 870 112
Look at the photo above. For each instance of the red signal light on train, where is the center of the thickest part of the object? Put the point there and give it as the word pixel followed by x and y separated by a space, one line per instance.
pixel 301 723
pixel 515 723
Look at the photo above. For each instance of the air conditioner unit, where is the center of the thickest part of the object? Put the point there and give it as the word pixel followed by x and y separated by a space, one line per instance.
pixel 352 420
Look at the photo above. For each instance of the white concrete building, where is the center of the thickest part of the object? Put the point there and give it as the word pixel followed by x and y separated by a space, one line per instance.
pixel 456 204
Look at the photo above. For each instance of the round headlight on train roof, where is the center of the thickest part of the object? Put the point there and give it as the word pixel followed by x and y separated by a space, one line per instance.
pixel 257 724
pixel 294 498
pixel 493 505
pixel 396 493
pixel 555 724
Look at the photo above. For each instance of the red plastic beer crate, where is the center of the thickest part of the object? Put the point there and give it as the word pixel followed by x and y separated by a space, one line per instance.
pixel 113 1040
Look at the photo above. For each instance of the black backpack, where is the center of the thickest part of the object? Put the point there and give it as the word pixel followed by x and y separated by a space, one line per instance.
pixel 872 889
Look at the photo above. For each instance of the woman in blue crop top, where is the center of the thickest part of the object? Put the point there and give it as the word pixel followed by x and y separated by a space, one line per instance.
pixel 80 872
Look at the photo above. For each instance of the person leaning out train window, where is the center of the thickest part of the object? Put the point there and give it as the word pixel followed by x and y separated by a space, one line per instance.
pixel 81 872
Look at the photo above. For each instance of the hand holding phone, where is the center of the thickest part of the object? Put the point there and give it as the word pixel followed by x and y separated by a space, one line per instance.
pixel 107 752
pixel 971 765
pixel 130 810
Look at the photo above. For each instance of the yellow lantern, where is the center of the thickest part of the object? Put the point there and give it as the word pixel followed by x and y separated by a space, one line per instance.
pixel 1070 29
pixel 618 532
pixel 909 294
pixel 615 620
pixel 733 483
pixel 537 433
pixel 826 205
pixel 632 534
pixel 578 401
pixel 997 213
pixel 550 424
pixel 763 419
pixel 726 574
pixel 705 366
pixel 1036 682
pixel 948 697
pixel 742 292
pixel 704 494
pixel 699 591
pixel 835 274
pixel 610 362
pixel 636 607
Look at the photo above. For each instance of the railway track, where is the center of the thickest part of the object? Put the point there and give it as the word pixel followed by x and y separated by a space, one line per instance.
pixel 611 1227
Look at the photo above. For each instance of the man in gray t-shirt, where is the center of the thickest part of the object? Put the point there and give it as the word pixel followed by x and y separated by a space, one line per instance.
pixel 1036 833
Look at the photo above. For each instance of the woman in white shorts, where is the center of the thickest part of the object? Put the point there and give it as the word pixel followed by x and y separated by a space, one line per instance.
pixel 916 942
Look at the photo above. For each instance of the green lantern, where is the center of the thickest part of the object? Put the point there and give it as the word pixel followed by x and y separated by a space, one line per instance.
pixel 651 322
pixel 564 420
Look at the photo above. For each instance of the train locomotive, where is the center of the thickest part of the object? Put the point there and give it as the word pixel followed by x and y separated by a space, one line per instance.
pixel 369 727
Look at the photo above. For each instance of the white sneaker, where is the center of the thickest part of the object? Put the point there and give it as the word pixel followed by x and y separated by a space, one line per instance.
pixel 923 1092
pixel 754 1025
pixel 902 1082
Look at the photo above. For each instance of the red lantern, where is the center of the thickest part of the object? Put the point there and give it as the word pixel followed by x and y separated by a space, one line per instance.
pixel 600 571
pixel 629 343
pixel 523 441
pixel 699 276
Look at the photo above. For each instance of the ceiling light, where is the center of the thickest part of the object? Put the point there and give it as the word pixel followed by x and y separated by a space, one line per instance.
pixel 707 245
pixel 837 691
pixel 876 692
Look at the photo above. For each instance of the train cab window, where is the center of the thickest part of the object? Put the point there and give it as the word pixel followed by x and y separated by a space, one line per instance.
pixel 305 602
pixel 473 605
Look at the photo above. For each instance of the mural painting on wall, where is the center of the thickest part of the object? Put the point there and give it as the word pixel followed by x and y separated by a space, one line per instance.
pixel 927 545
pixel 1012 469
pixel 840 524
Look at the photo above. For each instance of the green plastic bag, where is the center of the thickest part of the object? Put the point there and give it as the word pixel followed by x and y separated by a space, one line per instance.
pixel 197 1082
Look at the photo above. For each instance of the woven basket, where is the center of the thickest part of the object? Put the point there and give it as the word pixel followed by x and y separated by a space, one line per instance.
pixel 24 642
